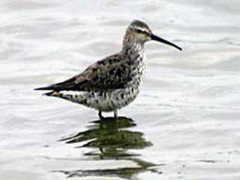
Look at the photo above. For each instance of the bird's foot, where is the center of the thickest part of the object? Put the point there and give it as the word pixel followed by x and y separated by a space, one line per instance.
pixel 101 116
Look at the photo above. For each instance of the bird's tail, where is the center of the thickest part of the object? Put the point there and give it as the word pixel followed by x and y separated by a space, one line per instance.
pixel 51 87
pixel 77 97
pixel 65 85
pixel 52 93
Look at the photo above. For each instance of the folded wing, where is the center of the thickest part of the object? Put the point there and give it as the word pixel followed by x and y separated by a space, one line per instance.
pixel 107 74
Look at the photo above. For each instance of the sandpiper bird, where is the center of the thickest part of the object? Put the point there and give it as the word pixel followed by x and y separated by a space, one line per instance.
pixel 113 82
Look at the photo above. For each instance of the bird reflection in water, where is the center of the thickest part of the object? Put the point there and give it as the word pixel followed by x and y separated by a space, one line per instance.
pixel 110 139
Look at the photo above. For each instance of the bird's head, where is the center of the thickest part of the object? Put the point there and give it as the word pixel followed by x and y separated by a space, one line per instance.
pixel 139 32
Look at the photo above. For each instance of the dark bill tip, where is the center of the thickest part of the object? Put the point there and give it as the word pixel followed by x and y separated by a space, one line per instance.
pixel 156 38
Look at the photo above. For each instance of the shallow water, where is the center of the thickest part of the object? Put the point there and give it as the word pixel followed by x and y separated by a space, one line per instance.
pixel 184 123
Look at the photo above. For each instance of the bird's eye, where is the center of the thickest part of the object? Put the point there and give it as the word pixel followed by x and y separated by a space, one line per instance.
pixel 139 31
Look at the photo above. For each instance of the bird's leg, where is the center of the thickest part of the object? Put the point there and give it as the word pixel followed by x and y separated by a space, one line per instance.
pixel 100 115
pixel 115 114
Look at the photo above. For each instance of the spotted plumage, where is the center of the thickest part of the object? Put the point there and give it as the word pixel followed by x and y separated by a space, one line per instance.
pixel 113 82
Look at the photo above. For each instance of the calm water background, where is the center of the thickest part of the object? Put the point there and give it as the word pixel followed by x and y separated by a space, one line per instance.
pixel 185 123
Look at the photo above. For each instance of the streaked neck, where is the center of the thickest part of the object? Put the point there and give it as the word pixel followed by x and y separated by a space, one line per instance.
pixel 132 49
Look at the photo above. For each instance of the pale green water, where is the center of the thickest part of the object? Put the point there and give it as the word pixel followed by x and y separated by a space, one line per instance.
pixel 185 123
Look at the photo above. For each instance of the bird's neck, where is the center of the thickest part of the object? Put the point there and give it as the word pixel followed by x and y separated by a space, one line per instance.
pixel 134 51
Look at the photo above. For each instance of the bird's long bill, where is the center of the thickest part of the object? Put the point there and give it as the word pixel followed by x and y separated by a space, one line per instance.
pixel 156 38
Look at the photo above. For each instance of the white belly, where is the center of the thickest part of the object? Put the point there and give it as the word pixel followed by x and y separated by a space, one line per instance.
pixel 109 101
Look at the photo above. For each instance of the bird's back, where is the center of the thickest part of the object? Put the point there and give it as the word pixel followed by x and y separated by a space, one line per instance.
pixel 113 72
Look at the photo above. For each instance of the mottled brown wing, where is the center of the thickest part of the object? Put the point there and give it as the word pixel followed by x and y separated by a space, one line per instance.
pixel 107 74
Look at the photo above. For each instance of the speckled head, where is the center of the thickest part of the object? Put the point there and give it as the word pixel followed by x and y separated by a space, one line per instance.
pixel 139 32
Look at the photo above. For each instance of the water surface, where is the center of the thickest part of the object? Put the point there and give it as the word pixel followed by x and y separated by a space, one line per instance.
pixel 184 123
